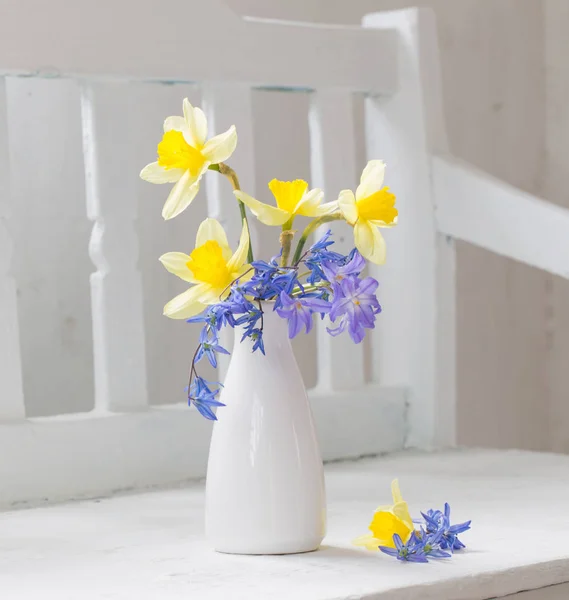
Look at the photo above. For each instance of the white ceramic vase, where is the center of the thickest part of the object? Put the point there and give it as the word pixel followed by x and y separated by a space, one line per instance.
pixel 265 481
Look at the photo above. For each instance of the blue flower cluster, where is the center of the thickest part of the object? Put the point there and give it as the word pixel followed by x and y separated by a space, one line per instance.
pixel 340 292
pixel 437 538
pixel 322 282
pixel 439 522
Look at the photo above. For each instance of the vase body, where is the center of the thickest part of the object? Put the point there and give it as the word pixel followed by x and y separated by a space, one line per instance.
pixel 265 481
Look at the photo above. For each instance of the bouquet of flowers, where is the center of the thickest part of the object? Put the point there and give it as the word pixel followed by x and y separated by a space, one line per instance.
pixel 234 288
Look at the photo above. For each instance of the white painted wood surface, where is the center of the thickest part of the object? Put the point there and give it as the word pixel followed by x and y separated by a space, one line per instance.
pixel 111 124
pixel 151 545
pixel 73 456
pixel 12 395
pixel 556 168
pixel 341 364
pixel 50 230
pixel 554 592
pixel 415 337
pixel 222 47
pixel 480 209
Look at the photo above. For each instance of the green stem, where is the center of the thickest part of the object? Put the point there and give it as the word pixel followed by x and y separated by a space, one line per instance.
pixel 228 172
pixel 286 243
pixel 288 225
pixel 308 288
pixel 309 229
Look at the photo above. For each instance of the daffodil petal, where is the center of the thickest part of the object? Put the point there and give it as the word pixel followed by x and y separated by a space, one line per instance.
pixel 348 207
pixel 369 242
pixel 196 123
pixel 401 510
pixel 211 295
pixel 326 209
pixel 220 147
pixel 181 196
pixel 177 263
pixel 154 173
pixel 396 492
pixel 211 229
pixel 240 256
pixel 269 215
pixel 187 304
pixel 384 224
pixel 367 541
pixel 309 203
pixel 371 180
pixel 175 124
pixel 243 273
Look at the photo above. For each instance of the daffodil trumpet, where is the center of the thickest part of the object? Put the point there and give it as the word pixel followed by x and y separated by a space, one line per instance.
pixel 387 521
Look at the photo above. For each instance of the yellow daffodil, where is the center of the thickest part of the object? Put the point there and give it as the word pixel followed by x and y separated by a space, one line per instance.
pixel 210 267
pixel 388 520
pixel 292 198
pixel 184 155
pixel 371 207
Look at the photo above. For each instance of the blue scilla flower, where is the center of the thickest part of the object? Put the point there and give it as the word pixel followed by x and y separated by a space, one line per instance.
pixel 438 521
pixel 216 316
pixel 203 397
pixel 336 271
pixel 412 551
pixel 239 305
pixel 320 251
pixel 323 243
pixel 355 305
pixel 431 543
pixel 264 270
pixel 433 520
pixel 253 314
pixel 251 328
pixel 286 281
pixel 209 346
pixel 269 280
pixel 256 336
pixel 298 311
pixel 317 254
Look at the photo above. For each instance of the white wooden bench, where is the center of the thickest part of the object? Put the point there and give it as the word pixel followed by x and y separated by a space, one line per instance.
pixel 81 102
pixel 150 545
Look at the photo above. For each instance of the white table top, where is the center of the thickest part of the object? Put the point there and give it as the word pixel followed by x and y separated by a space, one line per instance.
pixel 150 546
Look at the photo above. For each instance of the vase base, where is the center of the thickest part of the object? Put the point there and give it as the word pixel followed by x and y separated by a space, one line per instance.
pixel 266 549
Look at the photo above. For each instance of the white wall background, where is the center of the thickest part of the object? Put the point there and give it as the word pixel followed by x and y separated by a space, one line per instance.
pixel 505 67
